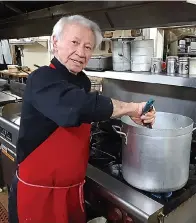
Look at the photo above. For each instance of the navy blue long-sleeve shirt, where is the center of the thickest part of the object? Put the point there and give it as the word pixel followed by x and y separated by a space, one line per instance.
pixel 53 98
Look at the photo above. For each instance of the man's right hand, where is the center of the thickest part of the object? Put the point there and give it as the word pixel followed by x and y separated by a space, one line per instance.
pixel 137 116
pixel 134 110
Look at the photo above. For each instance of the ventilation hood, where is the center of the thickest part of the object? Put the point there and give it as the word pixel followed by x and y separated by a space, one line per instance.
pixel 110 15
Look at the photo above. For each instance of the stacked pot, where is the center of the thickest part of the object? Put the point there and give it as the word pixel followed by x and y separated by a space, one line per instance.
pixel 141 53
pixel 129 54
pixel 121 54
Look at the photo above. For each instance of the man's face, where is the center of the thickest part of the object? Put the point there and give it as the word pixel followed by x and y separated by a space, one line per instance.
pixel 75 46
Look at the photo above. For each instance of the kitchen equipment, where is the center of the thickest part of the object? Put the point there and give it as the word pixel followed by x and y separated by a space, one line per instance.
pixel 109 195
pixel 193 46
pixel 183 69
pixel 17 88
pixel 12 112
pixel 157 159
pixel 3 84
pixel 23 69
pixel 141 53
pixel 99 63
pixel 192 67
pixel 172 65
pixel 121 53
pixel 182 46
pixel 140 64
pixel 35 65
pixel 156 64
pixel 189 49
pixel 148 107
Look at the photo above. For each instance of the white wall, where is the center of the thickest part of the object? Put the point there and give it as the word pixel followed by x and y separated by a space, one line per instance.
pixel 158 36
pixel 36 54
pixel 159 43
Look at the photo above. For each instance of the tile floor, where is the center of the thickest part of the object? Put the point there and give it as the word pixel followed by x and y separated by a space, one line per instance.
pixel 4 199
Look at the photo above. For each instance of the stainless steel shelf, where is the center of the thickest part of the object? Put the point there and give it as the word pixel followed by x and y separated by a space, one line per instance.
pixel 186 54
pixel 146 77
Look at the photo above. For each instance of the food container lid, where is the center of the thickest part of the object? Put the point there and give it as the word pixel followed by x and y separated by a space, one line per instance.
pixel 123 38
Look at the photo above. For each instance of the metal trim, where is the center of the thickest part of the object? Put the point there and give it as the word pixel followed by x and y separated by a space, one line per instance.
pixel 126 197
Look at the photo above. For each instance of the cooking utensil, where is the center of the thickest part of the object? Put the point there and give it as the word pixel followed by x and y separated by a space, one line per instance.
pixel 20 69
pixel 35 65
pixel 148 107
pixel 157 160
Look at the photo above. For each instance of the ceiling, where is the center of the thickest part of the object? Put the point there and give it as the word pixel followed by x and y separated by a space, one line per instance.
pixel 12 8
pixel 36 18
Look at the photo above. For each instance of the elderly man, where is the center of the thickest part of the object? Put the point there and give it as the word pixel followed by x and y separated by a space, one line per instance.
pixel 53 144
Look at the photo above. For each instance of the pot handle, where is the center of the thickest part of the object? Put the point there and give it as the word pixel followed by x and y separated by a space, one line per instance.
pixel 194 129
pixel 117 129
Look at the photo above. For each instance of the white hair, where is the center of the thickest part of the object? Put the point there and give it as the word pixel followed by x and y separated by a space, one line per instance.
pixel 59 26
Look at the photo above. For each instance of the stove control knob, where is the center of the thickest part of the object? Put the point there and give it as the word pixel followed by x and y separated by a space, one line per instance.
pixel 115 215
pixel 129 220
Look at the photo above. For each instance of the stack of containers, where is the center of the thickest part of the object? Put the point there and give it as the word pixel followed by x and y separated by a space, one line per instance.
pixel 121 53
pixel 141 53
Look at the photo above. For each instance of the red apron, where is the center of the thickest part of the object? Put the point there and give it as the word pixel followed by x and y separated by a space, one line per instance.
pixel 51 178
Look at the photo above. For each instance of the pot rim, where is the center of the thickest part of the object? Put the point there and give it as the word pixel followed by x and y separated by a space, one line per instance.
pixel 139 129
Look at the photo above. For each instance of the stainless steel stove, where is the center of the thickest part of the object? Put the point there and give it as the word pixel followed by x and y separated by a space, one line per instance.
pixel 109 195
pixel 8 134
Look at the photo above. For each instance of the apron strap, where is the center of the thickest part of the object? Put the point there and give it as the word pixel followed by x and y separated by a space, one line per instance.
pixel 81 185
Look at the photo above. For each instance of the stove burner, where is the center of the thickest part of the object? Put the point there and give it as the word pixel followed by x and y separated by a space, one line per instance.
pixel 162 195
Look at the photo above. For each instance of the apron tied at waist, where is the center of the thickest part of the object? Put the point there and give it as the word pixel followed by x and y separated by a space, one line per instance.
pixel 81 185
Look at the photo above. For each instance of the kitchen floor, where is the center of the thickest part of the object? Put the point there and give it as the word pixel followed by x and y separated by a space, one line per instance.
pixel 4 199
pixel 4 207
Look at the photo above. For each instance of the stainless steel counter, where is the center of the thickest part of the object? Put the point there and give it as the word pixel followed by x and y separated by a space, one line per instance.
pixel 132 201
pixel 146 77
pixel 7 97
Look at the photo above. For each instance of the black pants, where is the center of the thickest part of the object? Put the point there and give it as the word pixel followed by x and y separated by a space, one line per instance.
pixel 12 202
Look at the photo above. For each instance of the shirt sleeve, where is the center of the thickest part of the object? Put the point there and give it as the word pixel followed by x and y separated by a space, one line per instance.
pixel 64 103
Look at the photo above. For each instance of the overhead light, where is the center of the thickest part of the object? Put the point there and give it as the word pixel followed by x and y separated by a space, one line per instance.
pixel 191 1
